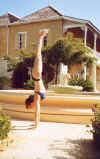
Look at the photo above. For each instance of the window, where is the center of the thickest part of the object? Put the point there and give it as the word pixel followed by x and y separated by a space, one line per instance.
pixel 45 40
pixel 22 39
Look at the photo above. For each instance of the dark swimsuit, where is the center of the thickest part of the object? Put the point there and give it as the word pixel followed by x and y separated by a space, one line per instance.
pixel 42 95
pixel 35 79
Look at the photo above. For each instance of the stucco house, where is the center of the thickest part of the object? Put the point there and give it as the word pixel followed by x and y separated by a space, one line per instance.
pixel 19 33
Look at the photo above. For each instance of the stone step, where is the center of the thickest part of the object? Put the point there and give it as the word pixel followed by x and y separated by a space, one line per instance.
pixel 71 101
pixel 51 114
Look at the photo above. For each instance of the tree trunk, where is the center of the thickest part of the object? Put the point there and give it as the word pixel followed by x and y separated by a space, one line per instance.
pixel 56 73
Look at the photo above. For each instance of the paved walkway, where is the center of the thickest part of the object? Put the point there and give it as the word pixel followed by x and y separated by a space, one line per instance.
pixel 49 141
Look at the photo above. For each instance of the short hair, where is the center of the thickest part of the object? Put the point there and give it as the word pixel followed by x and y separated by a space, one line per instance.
pixel 29 100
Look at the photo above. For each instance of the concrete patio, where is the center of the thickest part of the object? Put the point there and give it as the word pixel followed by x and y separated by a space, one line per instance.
pixel 50 141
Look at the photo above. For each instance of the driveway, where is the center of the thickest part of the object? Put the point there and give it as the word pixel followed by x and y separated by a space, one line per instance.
pixel 50 141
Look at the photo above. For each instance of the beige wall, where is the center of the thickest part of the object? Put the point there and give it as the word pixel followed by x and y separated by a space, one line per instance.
pixel 74 70
pixel 32 29
pixel 98 78
pixel 3 41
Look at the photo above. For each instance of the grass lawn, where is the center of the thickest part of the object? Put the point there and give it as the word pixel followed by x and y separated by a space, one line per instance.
pixel 63 90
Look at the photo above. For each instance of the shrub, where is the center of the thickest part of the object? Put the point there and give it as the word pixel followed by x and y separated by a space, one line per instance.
pixel 86 84
pixel 20 75
pixel 96 119
pixel 96 125
pixel 29 84
pixel 73 82
pixel 5 126
pixel 3 82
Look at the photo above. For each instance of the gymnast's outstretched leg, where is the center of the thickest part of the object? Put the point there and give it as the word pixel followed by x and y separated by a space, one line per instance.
pixel 39 89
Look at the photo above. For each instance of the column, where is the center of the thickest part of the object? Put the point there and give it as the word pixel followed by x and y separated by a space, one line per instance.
pixel 85 35
pixel 63 74
pixel 94 66
pixel 94 76
pixel 95 40
pixel 83 65
pixel 84 71
pixel 60 73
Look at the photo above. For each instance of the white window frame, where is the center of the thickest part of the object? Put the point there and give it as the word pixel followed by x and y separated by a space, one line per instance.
pixel 25 43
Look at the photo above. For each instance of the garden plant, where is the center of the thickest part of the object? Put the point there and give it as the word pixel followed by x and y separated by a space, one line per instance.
pixel 5 126
pixel 96 124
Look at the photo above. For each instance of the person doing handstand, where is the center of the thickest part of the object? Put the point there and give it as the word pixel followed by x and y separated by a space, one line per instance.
pixel 33 101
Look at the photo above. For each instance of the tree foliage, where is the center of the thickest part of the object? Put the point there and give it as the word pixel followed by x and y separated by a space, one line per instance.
pixel 11 62
pixel 48 67
pixel 70 51
pixel 5 126
pixel 20 74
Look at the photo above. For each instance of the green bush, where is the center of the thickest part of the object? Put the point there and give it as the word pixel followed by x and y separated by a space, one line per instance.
pixel 20 75
pixel 73 82
pixel 29 84
pixel 86 84
pixel 96 119
pixel 4 81
pixel 5 126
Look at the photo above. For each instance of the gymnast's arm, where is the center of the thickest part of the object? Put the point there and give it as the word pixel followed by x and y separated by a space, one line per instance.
pixel 37 109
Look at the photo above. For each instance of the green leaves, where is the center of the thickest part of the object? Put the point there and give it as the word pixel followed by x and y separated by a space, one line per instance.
pixel 86 84
pixel 5 126
pixel 70 51
pixel 96 119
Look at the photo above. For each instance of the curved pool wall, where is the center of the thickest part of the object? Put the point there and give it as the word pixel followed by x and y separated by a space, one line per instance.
pixel 52 99
pixel 56 108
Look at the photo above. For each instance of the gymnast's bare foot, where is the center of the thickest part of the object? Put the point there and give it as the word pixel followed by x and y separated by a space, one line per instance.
pixel 43 32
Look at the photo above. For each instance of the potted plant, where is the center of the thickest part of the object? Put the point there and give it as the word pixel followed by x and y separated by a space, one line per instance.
pixel 96 124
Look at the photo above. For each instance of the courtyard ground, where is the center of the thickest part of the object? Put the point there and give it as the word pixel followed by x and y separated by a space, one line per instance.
pixel 50 141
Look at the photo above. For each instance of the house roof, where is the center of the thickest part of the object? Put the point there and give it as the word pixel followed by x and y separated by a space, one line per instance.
pixel 44 14
pixel 82 21
pixel 8 18
pixel 47 12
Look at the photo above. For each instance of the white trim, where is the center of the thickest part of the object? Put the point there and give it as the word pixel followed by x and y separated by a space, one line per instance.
pixel 22 32
pixel 95 40
pixel 25 40
pixel 85 35
pixel 94 76
pixel 72 26
pixel 75 19
pixel 36 20
pixel 83 22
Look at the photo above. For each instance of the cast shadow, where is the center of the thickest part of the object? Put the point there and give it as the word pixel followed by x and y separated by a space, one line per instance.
pixel 75 149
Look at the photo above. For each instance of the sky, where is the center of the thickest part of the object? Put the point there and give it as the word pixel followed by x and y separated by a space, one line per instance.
pixel 83 9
